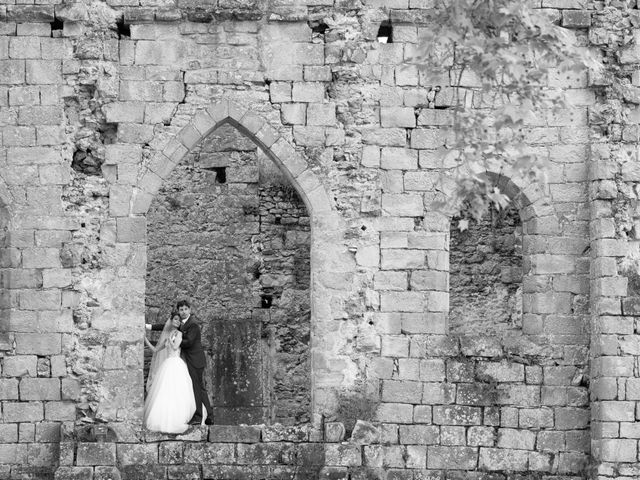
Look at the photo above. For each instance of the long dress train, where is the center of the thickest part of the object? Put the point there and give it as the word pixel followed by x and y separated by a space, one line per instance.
pixel 170 402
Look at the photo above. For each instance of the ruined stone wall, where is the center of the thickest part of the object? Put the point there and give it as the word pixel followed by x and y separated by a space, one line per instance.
pixel 102 104
pixel 485 272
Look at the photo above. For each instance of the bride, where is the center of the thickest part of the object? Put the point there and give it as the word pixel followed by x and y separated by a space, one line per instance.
pixel 170 402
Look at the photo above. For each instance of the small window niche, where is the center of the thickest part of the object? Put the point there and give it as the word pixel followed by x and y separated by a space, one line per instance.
pixel 385 32
pixel 221 174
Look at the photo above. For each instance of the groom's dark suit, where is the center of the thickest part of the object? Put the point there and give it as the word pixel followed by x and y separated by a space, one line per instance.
pixel 193 355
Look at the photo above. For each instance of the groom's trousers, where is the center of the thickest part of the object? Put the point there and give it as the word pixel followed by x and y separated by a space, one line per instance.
pixel 199 392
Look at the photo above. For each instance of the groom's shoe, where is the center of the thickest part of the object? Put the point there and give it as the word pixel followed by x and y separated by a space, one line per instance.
pixel 195 422
pixel 208 421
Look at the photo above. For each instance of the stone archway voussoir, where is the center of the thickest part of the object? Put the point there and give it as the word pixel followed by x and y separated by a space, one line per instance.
pixel 161 165
pixel 236 112
pixel 189 136
pixel 174 150
pixel 204 123
pixel 288 158
pixel 140 202
pixel 219 110
pixel 319 201
pixel 267 136
pixel 150 182
pixel 252 122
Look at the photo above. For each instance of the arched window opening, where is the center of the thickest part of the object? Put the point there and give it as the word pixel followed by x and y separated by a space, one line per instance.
pixel 238 247
pixel 485 283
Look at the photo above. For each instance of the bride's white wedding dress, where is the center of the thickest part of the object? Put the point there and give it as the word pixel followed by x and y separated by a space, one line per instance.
pixel 170 403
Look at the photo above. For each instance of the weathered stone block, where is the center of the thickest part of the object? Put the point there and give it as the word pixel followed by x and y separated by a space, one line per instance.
pixel 610 366
pixel 343 455
pixel 33 155
pixel 41 72
pixel 444 457
pixel 457 415
pixel 402 301
pixel 317 73
pixel 24 47
pixel 9 390
pixel 430 138
pixel 22 412
pixel 135 454
pixel 535 418
pixel 438 393
pixel 393 137
pixel 232 433
pixel 384 455
pixel 402 205
pixel 20 365
pixel 74 473
pixel 481 436
pixel 39 115
pixel 321 114
pixel 129 112
pixel 432 370
pixel 385 280
pixel 309 136
pixel 12 72
pixel 390 53
pixel 397 117
pixel 500 372
pixel 419 181
pixel 429 280
pixel 521 395
pixel 216 453
pixel 131 229
pixel 60 411
pixel 134 133
pixel 402 259
pixel 398 159
pixel 571 418
pixel 39 389
pixel 503 459
pixel 38 344
pixel 401 391
pixel 96 454
pixel 419 434
pixel 394 412
pixel 311 92
pixel 518 439
pixel 614 411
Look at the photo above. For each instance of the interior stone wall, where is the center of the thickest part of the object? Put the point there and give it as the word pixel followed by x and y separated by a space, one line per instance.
pixel 229 233
pixel 485 279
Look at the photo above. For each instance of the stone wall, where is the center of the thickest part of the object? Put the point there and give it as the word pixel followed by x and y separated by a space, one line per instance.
pixel 485 265
pixel 103 104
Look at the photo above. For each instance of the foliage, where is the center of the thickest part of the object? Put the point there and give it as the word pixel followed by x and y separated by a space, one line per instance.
pixel 504 61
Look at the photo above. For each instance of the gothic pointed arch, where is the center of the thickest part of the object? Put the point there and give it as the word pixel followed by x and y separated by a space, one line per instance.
pixel 324 221
pixel 255 127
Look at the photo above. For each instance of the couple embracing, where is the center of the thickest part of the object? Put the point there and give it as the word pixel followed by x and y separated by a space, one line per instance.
pixel 175 386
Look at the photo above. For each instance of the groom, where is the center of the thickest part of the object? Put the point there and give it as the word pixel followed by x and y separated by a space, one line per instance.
pixel 193 355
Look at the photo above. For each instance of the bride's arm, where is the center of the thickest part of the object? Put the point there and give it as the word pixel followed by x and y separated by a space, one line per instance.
pixel 149 344
pixel 175 339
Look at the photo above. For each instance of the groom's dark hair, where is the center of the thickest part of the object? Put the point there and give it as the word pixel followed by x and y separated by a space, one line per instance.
pixel 182 303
